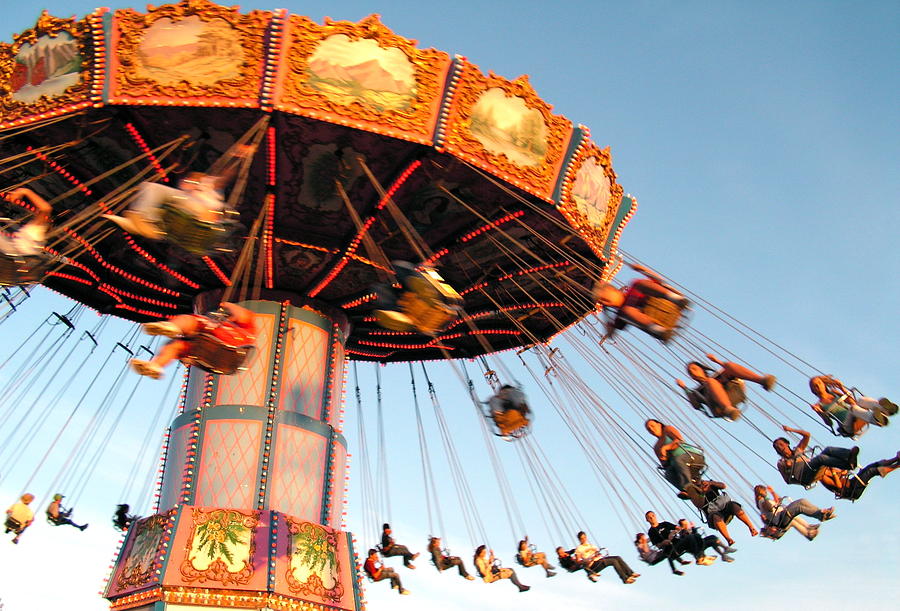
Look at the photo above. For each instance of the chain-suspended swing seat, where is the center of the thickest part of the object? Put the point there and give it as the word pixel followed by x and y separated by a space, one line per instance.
pixel 223 349
pixel 508 411
pixel 426 303
pixel 197 236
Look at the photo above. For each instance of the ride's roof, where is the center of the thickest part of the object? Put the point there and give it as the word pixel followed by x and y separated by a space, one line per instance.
pixel 518 210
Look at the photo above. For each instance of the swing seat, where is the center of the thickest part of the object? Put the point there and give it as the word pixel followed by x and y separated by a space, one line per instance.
pixel 736 391
pixel 428 316
pixel 772 532
pixel 663 312
pixel 696 465
pixel 511 423
pixel 18 270
pixel 192 234
pixel 13 525
pixel 430 286
pixel 215 355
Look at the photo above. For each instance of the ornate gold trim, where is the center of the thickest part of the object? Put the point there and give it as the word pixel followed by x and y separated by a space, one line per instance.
pixel 595 237
pixel 250 29
pixel 539 179
pixel 415 123
pixel 218 570
pixel 47 25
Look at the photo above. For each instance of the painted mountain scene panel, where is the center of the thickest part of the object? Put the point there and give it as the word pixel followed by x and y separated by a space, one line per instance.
pixel 361 71
pixel 506 126
pixel 46 68
pixel 591 192
pixel 199 52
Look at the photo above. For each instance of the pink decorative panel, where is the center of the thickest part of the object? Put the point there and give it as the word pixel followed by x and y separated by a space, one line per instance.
pixel 312 563
pixel 250 387
pixel 174 470
pixel 227 476
pixel 303 373
pixel 337 386
pixel 339 472
pixel 217 547
pixel 299 473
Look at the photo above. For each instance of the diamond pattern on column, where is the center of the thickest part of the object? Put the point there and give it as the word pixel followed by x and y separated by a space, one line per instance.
pixel 337 388
pixel 298 474
pixel 250 387
pixel 303 373
pixel 337 491
pixel 174 469
pixel 229 464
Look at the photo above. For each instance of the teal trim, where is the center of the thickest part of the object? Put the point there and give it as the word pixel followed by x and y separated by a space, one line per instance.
pixel 308 316
pixel 168 554
pixel 578 136
pixel 354 573
pixel 326 485
pixel 329 379
pixel 108 51
pixel 625 207
pixel 310 424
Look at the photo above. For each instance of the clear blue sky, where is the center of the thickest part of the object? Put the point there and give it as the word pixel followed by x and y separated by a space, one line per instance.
pixel 761 140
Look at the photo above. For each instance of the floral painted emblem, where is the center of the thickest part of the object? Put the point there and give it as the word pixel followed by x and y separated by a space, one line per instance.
pixel 221 547
pixel 314 567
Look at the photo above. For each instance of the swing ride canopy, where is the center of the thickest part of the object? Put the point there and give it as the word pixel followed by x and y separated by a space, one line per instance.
pixel 370 150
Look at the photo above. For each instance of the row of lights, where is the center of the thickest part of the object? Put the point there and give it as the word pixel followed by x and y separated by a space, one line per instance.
pixel 142 144
pixel 216 270
pixel 354 244
pixel 456 68
pixel 60 170
pixel 270 403
pixel 276 38
pixel 98 74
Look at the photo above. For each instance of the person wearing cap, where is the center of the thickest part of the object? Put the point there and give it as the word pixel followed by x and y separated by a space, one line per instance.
pixel 390 548
pixel 378 572
pixel 19 516
pixel 59 516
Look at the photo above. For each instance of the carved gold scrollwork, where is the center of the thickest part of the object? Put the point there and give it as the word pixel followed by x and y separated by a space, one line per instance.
pixel 417 118
pixel 539 178
pixel 249 30
pixel 47 25
pixel 594 235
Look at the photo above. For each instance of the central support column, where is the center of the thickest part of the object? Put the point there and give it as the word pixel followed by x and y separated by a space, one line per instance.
pixel 252 494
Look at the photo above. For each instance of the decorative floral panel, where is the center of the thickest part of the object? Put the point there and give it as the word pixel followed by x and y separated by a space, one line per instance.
pixel 313 563
pixel 219 547
pixel 136 567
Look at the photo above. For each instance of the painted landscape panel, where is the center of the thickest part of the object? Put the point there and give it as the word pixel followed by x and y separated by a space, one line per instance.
pixel 506 126
pixel 192 50
pixel 360 71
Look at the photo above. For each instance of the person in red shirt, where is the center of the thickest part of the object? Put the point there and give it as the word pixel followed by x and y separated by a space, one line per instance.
pixel 378 572
pixel 629 303
pixel 238 328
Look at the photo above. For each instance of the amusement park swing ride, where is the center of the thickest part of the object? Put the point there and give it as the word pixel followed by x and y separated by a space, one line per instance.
pixel 378 204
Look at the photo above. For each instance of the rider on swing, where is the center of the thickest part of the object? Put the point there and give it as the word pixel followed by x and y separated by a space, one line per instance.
pixel 630 304
pixel 425 301
pixel 851 414
pixel 509 410
pixel 715 390
pixel 239 328
pixel 199 195
pixel 60 516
